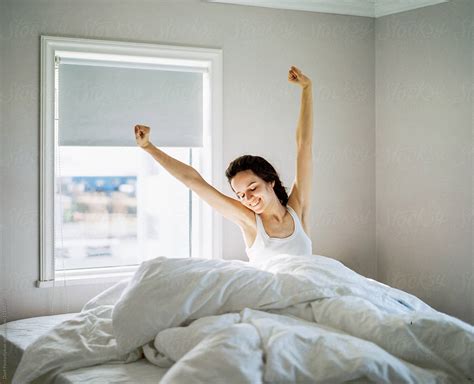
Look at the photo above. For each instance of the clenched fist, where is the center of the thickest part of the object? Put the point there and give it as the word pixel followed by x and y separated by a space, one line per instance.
pixel 297 77
pixel 142 135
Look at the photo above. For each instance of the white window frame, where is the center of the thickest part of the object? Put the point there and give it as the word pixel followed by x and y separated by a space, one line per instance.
pixel 209 229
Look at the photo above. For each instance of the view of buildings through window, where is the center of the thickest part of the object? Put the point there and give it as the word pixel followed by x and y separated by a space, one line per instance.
pixel 116 206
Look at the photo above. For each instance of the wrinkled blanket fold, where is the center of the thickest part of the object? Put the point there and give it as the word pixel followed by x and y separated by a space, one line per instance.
pixel 295 351
pixel 289 319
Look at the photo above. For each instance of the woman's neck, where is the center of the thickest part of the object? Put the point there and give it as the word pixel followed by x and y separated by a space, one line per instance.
pixel 274 212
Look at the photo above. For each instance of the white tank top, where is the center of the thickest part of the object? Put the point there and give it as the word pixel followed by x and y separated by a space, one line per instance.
pixel 264 246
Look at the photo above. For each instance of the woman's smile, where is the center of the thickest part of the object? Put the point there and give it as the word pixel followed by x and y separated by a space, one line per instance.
pixel 255 203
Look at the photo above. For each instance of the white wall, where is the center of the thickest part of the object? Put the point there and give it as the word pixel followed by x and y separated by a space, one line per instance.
pixel 424 144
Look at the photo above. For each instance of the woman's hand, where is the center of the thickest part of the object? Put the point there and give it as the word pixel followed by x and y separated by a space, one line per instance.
pixel 297 77
pixel 142 135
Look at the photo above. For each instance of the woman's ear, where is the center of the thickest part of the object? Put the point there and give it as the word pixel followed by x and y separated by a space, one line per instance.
pixel 273 183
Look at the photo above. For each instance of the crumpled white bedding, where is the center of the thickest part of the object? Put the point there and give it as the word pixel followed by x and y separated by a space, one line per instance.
pixel 296 351
pixel 15 336
pixel 289 319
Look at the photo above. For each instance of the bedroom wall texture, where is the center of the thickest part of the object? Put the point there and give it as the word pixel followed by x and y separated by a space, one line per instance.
pixel 424 146
pixel 259 45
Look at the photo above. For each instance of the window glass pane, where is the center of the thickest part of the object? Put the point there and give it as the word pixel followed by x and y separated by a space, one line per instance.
pixel 116 206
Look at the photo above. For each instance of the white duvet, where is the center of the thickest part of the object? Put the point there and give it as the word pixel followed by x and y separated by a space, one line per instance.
pixel 290 319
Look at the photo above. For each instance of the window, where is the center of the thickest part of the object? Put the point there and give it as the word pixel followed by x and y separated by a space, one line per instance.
pixel 122 212
pixel 106 205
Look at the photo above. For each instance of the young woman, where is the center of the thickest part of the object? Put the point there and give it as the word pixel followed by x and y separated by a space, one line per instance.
pixel 271 221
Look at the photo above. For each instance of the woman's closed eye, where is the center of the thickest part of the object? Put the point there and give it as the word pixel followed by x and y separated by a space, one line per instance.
pixel 243 194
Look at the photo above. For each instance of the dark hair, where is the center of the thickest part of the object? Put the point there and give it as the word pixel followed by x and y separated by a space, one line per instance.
pixel 262 168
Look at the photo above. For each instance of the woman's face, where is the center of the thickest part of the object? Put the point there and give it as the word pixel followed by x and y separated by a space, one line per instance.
pixel 252 191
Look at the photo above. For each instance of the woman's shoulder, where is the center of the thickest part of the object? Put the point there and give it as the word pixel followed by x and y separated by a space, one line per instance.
pixel 249 230
pixel 302 217
pixel 296 209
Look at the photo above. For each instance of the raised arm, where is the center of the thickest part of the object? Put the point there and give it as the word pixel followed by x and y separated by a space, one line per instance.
pixel 225 205
pixel 300 195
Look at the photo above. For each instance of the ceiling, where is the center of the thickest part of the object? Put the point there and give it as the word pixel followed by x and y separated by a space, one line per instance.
pixel 368 8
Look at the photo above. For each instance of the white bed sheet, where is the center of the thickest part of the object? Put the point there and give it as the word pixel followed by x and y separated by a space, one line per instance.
pixel 16 336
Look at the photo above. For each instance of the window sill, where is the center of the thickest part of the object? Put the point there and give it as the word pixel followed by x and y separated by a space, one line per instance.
pixel 88 276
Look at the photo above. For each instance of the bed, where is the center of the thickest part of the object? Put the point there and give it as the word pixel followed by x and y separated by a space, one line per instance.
pixel 16 336
pixel 287 319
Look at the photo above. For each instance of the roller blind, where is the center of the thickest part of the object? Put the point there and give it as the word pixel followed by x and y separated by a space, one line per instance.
pixel 99 105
